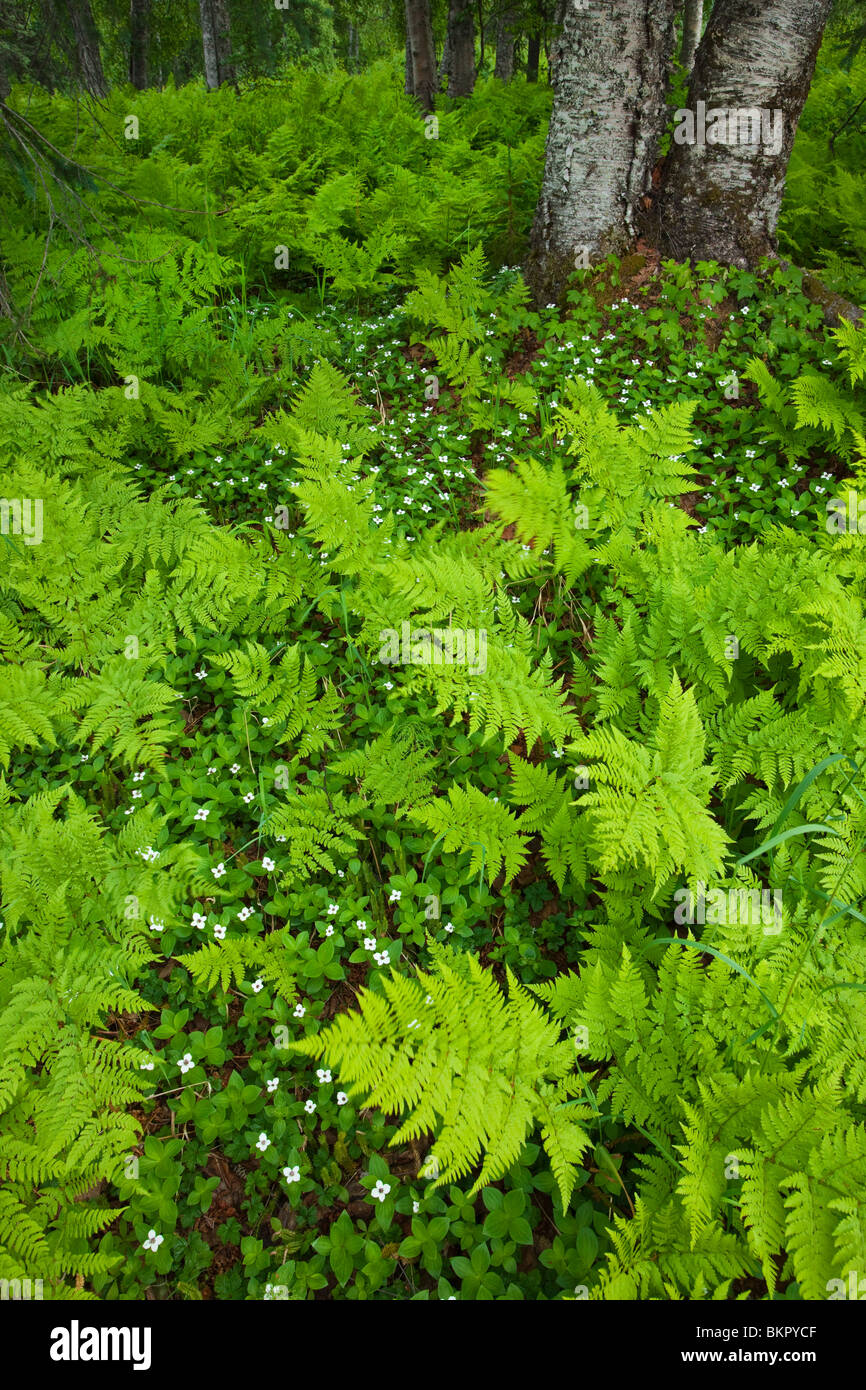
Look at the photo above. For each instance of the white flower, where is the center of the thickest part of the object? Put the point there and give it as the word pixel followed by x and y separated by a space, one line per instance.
pixel 219 871
pixel 381 1190
pixel 309 1106
pixel 235 768
pixel 156 925
pixel 219 933
pixel 198 920
pixel 329 929
pixel 263 1142
pixel 299 1011
pixel 333 909
pixel 268 864
pixel 186 1063
pixel 395 895
pixel 250 796
pixel 153 1241
pixel 323 1074
pixel 211 771
pixel 273 1083
pixel 147 1066
pixel 359 922
pixel 244 913
pixel 138 776
pixel 292 1174
pixel 201 814
pixel 369 943
pixel 449 926
pixel 200 675
pixel 342 1098
pixel 257 985
pixel 416 1207
pixel 381 958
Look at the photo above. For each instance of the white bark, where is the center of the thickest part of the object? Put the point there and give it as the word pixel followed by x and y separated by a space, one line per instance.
pixel 693 23
pixel 209 45
pixel 720 200
pixel 610 69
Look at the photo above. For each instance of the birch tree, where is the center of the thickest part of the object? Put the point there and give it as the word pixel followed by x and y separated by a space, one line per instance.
pixel 693 23
pixel 610 71
pixel 724 178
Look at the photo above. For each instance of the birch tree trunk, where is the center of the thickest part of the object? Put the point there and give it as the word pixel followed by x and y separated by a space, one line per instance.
pixel 209 45
pixel 610 69
pixel 461 44
pixel 139 42
pixel 504 67
pixel 693 23
pixel 216 43
pixel 724 178
pixel 86 38
pixel 419 36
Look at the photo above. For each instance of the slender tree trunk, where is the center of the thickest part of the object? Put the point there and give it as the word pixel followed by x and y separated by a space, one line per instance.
pixel 209 45
pixel 139 42
pixel 533 53
pixel 445 61
pixel 610 70
pixel 409 86
pixel 419 37
pixel 86 37
pixel 693 23
pixel 222 26
pixel 723 180
pixel 216 43
pixel 504 68
pixel 480 35
pixel 461 34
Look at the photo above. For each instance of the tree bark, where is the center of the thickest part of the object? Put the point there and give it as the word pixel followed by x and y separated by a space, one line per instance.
pixel 139 42
pixel 724 178
pixel 533 53
pixel 409 84
pixel 216 43
pixel 693 23
pixel 610 68
pixel 504 67
pixel 445 61
pixel 461 35
pixel 222 26
pixel 86 35
pixel 209 45
pixel 419 36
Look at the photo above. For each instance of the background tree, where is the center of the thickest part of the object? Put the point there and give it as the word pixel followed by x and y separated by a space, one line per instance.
pixel 139 42
pixel 419 35
pixel 461 48
pixel 505 42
